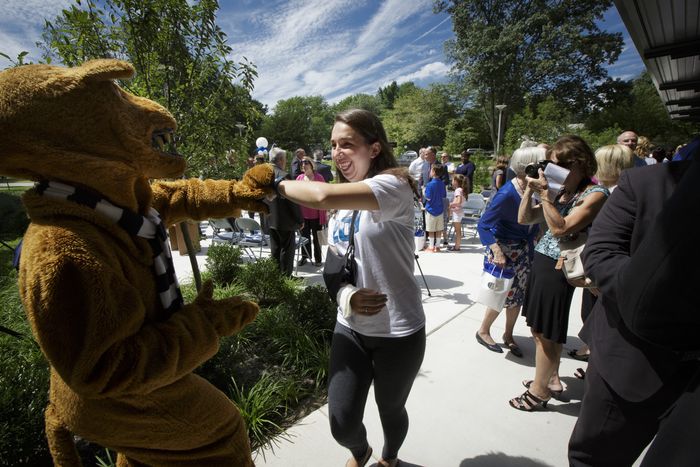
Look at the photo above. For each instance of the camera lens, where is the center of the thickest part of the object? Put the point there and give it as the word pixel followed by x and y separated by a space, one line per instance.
pixel 531 170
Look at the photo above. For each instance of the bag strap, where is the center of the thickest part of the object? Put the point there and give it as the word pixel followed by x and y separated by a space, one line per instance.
pixel 350 253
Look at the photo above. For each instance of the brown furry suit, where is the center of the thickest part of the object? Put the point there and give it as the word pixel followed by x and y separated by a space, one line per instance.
pixel 121 370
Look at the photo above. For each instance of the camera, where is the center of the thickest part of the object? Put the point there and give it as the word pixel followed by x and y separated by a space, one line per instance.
pixel 532 170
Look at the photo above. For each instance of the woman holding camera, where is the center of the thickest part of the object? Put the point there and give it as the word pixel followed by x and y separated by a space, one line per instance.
pixel 379 336
pixel 548 296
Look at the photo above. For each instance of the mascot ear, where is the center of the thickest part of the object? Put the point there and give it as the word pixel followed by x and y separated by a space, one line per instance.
pixel 104 70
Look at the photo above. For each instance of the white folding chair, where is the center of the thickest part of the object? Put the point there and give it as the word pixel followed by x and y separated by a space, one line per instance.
pixel 223 231
pixel 473 209
pixel 299 243
pixel 247 239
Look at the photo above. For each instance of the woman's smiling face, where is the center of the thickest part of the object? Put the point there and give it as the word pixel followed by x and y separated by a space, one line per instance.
pixel 351 153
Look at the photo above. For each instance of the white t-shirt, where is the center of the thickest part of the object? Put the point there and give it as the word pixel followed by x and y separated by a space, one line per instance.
pixel 415 169
pixel 384 252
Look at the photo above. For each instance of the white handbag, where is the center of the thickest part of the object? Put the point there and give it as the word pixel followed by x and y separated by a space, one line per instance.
pixel 571 262
pixel 494 286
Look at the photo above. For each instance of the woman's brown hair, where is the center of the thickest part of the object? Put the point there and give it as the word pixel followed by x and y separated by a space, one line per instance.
pixel 311 162
pixel 461 180
pixel 501 162
pixel 571 149
pixel 368 125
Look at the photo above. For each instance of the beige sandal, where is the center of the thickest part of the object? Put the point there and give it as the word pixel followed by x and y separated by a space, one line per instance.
pixel 352 462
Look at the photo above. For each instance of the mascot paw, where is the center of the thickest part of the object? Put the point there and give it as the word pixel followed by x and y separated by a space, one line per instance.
pixel 256 182
pixel 229 315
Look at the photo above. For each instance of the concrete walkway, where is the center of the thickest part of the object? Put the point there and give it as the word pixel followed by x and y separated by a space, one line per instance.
pixel 458 407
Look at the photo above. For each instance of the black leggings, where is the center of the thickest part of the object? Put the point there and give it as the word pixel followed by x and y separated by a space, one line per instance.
pixel 357 360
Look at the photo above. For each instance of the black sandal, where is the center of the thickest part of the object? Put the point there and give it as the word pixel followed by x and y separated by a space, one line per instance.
pixel 580 373
pixel 513 347
pixel 528 402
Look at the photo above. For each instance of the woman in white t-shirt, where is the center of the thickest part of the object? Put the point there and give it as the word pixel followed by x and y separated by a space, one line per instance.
pixel 380 331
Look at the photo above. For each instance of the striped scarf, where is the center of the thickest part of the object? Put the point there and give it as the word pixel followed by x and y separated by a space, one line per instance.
pixel 150 227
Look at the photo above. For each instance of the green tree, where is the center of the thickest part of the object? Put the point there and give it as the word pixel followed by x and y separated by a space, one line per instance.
pixel 419 117
pixel 466 131
pixel 180 56
pixel 388 94
pixel 511 52
pixel 299 121
pixel 360 101
pixel 549 121
pixel 638 107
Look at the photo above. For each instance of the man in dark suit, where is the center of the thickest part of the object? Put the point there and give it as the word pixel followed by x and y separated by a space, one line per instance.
pixel 297 163
pixel 637 389
pixel 322 168
pixel 283 220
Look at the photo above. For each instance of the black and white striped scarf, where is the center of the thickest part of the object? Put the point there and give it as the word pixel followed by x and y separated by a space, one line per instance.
pixel 150 227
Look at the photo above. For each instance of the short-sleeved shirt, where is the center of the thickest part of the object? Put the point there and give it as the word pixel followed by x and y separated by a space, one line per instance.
pixel 435 192
pixel 549 244
pixel 384 251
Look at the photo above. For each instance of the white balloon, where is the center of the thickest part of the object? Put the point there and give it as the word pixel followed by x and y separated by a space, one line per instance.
pixel 261 142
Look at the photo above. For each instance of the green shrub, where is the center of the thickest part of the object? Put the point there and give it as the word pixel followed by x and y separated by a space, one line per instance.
pixel 313 308
pixel 223 263
pixel 24 385
pixel 264 281
pixel 264 405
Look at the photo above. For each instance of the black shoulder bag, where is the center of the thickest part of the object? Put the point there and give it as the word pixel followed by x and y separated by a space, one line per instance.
pixel 340 270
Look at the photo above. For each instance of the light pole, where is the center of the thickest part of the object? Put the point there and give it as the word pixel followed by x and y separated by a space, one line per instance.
pixel 240 127
pixel 500 108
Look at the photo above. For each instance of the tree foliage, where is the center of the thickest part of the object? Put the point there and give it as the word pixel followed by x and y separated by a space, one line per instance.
pixel 419 117
pixel 510 52
pixel 299 121
pixel 180 56
pixel 467 130
pixel 360 101
pixel 544 124
pixel 638 107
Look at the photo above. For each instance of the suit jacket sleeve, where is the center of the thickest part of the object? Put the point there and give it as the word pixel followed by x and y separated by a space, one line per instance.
pixel 658 301
pixel 608 246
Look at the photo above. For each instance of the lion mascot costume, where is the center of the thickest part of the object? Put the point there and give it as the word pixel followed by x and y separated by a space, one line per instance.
pixel 96 276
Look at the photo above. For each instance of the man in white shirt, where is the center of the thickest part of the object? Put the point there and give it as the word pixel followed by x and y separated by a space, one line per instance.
pixel 416 167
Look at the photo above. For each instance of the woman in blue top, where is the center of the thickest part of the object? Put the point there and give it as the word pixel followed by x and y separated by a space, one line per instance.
pixel 508 245
pixel 548 296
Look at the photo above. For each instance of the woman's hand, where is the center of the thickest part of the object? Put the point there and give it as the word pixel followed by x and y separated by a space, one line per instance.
pixel 497 256
pixel 367 302
pixel 538 185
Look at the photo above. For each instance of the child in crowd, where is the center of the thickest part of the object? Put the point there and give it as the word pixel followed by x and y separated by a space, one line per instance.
pixel 458 183
pixel 434 193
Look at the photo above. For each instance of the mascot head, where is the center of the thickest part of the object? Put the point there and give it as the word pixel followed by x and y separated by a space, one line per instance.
pixel 77 126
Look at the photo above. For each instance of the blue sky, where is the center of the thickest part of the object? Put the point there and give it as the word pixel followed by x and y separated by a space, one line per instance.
pixel 333 48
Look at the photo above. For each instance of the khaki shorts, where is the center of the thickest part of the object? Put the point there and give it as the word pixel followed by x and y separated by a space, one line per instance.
pixel 434 223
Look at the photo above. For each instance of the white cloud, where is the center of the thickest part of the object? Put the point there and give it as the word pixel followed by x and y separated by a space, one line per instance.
pixel 431 70
pixel 32 12
pixel 329 48
pixel 21 26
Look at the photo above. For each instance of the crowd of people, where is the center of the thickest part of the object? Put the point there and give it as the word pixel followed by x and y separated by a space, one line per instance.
pixel 379 337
